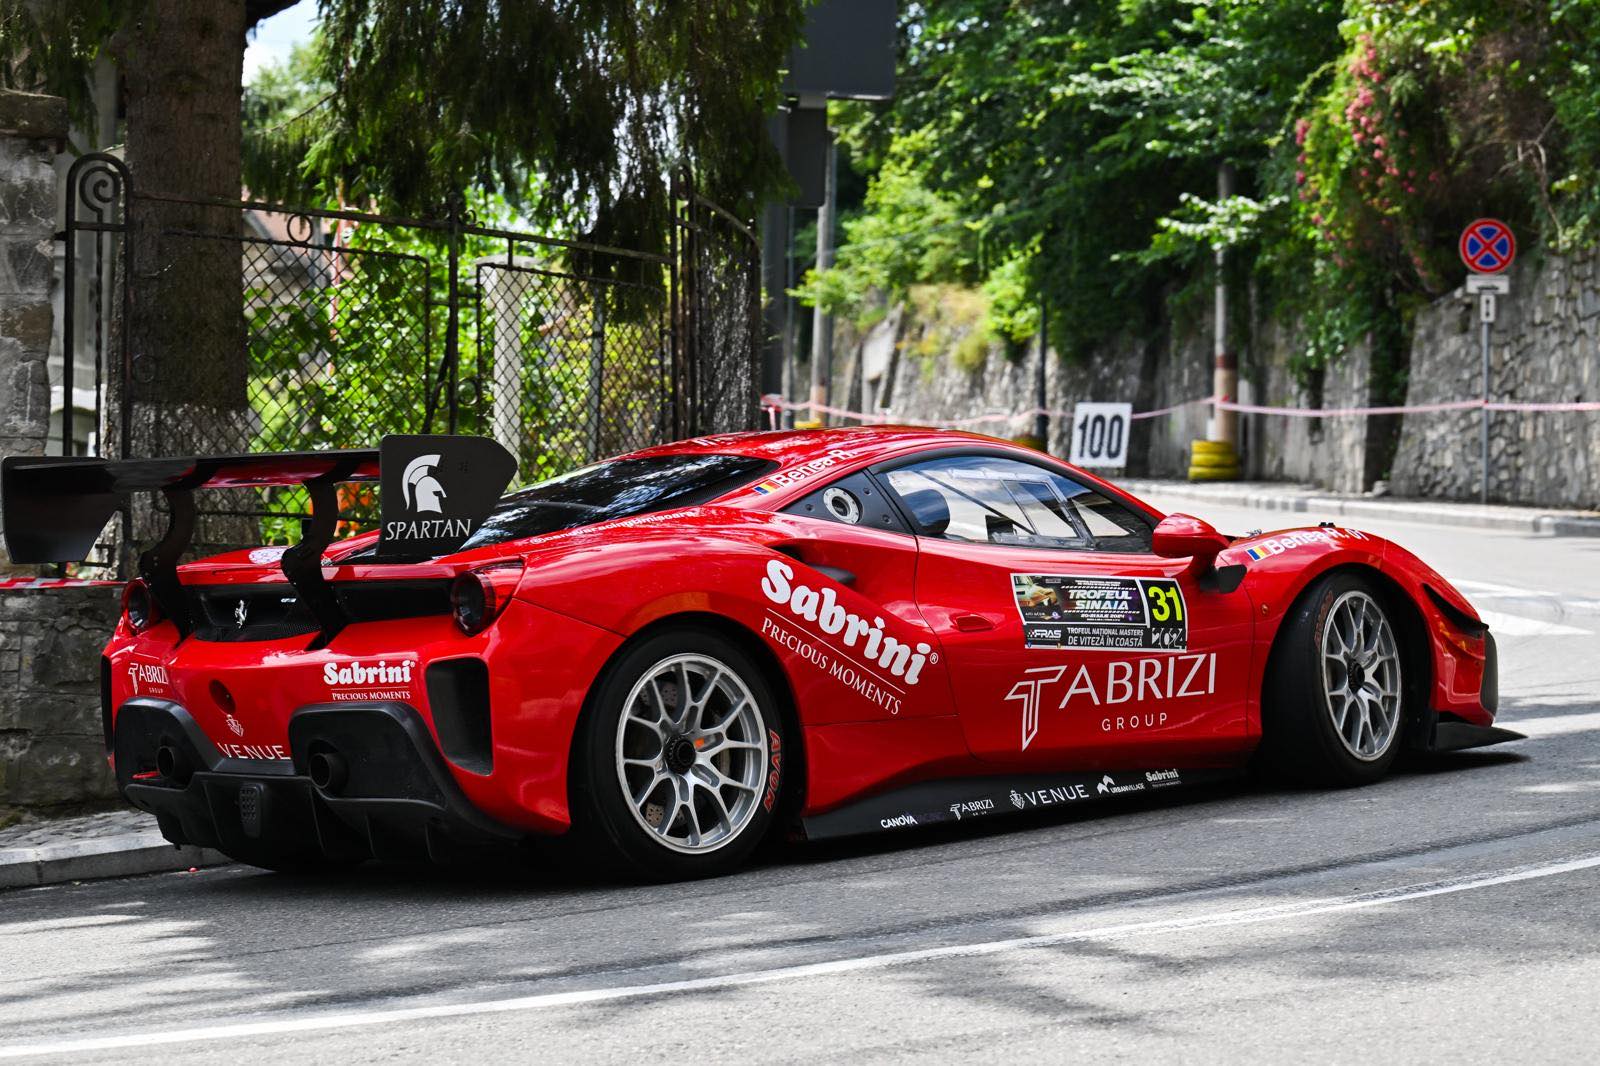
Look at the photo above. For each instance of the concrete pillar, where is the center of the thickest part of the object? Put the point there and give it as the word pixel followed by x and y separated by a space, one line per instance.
pixel 33 132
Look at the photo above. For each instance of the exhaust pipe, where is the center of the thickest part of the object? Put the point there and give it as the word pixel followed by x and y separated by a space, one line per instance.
pixel 171 764
pixel 327 771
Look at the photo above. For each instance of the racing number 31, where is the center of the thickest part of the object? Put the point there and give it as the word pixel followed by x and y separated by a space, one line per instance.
pixel 1166 605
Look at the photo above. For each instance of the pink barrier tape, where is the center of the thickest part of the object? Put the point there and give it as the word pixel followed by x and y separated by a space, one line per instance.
pixel 1341 412
pixel 774 404
pixel 50 583
pixel 1587 405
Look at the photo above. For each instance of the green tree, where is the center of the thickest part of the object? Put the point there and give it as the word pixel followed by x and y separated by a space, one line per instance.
pixel 591 102
pixel 1063 135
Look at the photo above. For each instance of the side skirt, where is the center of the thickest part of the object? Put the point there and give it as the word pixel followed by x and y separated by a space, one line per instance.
pixel 931 802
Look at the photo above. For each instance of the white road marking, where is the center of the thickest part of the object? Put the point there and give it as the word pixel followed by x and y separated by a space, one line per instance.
pixel 1511 625
pixel 1484 590
pixel 1242 916
pixel 1554 725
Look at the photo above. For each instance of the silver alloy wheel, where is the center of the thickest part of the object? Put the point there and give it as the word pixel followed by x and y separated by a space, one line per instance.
pixel 691 753
pixel 1361 675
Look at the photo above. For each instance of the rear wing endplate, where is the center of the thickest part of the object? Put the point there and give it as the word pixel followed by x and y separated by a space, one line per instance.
pixel 435 491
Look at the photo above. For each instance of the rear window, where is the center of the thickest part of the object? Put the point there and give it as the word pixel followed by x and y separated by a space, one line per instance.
pixel 620 488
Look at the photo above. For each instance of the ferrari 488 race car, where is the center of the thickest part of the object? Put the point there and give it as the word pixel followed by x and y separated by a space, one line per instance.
pixel 678 653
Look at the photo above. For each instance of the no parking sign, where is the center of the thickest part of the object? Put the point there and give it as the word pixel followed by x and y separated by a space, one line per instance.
pixel 1487 246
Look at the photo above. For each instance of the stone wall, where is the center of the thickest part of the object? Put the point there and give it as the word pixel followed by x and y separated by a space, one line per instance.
pixel 905 366
pixel 52 742
pixel 1546 349
pixel 33 129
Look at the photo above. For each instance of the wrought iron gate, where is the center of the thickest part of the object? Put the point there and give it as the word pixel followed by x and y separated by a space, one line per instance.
pixel 354 324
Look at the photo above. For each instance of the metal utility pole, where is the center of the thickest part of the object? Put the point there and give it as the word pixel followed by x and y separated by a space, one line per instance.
pixel 1486 322
pixel 821 321
pixel 1041 394
pixel 1225 364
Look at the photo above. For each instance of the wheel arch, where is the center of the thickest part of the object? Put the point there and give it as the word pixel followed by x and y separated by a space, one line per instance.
pixel 772 672
pixel 1410 629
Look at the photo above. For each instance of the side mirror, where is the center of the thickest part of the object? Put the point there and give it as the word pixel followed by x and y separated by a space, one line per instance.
pixel 1182 536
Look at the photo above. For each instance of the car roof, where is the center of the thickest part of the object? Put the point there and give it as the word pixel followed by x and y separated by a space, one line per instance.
pixel 795 446
pixel 854 447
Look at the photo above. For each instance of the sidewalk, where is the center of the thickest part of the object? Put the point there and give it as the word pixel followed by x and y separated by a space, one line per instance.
pixel 1318 505
pixel 109 844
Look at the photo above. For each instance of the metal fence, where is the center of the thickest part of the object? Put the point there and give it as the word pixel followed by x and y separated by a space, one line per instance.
pixel 351 325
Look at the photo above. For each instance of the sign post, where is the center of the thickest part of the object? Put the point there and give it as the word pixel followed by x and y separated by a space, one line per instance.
pixel 1487 248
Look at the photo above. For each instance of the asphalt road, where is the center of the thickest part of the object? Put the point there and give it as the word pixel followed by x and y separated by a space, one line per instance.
pixel 1450 913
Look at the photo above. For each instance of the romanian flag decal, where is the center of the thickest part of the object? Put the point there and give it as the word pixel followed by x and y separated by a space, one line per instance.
pixel 766 487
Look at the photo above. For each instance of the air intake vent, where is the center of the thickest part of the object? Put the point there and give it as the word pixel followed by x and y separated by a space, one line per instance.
pixel 458 695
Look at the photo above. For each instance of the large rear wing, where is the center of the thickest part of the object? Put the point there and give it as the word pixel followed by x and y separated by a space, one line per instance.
pixel 435 491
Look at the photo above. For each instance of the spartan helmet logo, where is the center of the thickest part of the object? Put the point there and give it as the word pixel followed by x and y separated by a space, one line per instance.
pixel 422 490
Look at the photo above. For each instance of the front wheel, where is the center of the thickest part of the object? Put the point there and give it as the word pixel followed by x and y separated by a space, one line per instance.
pixel 1334 699
pixel 681 768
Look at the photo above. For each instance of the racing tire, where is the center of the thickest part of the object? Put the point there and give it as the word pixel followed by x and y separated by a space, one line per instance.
pixel 680 768
pixel 1334 699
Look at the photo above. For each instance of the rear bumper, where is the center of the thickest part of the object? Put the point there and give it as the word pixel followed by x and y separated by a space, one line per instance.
pixel 396 798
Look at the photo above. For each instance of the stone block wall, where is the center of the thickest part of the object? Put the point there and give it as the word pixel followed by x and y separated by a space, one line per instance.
pixel 1329 452
pixel 33 129
pixel 1546 349
pixel 891 369
pixel 52 742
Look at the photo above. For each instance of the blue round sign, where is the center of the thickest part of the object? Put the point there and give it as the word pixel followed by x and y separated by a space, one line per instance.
pixel 1488 246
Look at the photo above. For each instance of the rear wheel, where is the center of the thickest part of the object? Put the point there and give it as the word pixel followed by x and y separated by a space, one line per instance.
pixel 1334 700
pixel 681 766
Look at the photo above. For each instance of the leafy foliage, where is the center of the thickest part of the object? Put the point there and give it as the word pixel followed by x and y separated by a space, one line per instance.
pixel 1072 151
pixel 590 104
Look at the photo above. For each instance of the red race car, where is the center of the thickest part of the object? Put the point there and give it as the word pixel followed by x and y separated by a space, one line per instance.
pixel 675 654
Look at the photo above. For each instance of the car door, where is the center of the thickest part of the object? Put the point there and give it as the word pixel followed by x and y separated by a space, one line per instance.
pixel 1070 645
pixel 843 597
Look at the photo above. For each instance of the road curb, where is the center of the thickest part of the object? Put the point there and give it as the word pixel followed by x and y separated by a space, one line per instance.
pixel 118 855
pixel 1471 516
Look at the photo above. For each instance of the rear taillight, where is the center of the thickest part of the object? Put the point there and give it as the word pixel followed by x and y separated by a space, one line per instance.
pixel 139 607
pixel 478 596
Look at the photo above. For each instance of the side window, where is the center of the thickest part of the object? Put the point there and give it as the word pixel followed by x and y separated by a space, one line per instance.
pixel 994 500
pixel 854 501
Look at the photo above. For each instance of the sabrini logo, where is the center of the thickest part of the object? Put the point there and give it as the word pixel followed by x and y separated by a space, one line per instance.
pixel 378 673
pixel 422 489
pixel 822 609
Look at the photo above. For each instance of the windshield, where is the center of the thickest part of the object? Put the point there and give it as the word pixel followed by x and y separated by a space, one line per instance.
pixel 620 488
